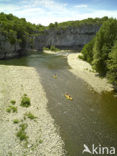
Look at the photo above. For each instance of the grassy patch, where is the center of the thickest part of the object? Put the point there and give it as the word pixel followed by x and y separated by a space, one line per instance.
pixel 16 121
pixel 8 110
pixel 9 153
pixel 30 116
pixel 12 109
pixel 23 126
pixel 25 102
pixel 21 134
pixel 13 102
pixel 24 118
pixel 40 141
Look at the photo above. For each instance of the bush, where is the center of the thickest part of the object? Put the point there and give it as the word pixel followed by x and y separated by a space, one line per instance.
pixel 25 102
pixel 40 141
pixel 15 121
pixel 13 102
pixel 14 109
pixel 45 48
pixel 53 48
pixel 81 57
pixel 8 110
pixel 11 109
pixel 21 134
pixel 87 51
pixel 30 116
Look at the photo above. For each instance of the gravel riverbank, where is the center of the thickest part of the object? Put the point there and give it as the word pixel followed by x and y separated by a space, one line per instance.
pixel 43 136
pixel 83 70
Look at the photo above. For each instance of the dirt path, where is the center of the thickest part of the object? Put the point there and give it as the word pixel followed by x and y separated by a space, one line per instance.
pixel 43 137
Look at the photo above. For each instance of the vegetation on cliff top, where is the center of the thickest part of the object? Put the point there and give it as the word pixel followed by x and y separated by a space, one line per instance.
pixel 101 52
pixel 64 25
pixel 17 29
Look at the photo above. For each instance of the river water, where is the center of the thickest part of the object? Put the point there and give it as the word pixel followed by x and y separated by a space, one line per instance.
pixel 89 119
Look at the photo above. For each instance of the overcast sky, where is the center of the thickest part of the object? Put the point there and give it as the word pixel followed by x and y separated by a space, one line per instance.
pixel 49 11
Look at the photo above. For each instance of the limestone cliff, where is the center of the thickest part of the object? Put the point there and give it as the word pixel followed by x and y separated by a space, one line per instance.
pixel 7 49
pixel 10 50
pixel 69 38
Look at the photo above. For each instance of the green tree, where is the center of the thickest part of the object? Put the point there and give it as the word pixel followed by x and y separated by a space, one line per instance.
pixel 112 65
pixel 87 51
pixel 102 46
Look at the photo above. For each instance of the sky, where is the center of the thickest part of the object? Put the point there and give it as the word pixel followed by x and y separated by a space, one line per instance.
pixel 49 11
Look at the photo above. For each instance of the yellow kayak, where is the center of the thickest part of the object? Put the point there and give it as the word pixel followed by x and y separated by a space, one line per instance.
pixel 68 97
pixel 55 76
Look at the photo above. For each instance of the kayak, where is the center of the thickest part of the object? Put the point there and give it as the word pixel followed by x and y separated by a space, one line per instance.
pixel 68 97
pixel 54 76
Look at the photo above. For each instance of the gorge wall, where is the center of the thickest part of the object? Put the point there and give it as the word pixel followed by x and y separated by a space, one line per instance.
pixel 70 38
pixel 7 49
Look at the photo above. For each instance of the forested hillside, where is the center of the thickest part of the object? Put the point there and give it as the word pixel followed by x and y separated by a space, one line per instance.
pixel 65 25
pixel 16 29
pixel 101 52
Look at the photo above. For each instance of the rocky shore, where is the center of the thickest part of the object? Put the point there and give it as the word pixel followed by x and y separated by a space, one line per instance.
pixel 84 70
pixel 42 135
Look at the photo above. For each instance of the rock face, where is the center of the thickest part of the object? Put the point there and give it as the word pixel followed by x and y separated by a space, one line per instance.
pixel 8 50
pixel 70 38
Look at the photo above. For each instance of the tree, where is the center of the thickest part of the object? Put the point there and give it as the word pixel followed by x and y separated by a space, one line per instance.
pixel 112 65
pixel 103 44
pixel 87 51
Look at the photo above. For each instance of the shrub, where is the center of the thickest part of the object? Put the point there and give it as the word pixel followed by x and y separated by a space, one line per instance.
pixel 8 110
pixel 13 102
pixel 15 121
pixel 11 109
pixel 81 57
pixel 53 48
pixel 30 116
pixel 45 48
pixel 23 126
pixel 87 51
pixel 14 109
pixel 40 141
pixel 25 102
pixel 21 134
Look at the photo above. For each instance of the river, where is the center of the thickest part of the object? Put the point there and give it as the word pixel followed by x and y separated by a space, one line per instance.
pixel 91 118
